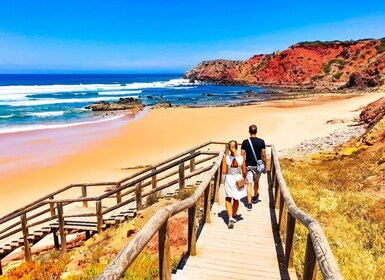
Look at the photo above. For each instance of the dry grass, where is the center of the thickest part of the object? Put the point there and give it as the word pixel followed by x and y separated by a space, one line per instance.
pixel 338 193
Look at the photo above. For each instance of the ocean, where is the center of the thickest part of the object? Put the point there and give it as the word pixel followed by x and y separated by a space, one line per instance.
pixel 39 101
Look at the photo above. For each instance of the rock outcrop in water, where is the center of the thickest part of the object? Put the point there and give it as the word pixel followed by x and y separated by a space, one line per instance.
pixel 350 64
pixel 122 104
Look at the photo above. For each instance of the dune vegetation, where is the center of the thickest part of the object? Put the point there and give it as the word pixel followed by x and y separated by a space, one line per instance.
pixel 345 192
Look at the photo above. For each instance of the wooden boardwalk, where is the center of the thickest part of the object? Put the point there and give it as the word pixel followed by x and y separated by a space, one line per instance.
pixel 249 251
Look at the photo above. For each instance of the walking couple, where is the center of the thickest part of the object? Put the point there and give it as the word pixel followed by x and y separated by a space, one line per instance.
pixel 249 166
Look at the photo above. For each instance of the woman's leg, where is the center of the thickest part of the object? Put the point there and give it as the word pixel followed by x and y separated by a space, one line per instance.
pixel 235 207
pixel 229 207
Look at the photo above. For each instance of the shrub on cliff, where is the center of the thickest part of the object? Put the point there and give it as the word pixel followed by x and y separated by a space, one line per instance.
pixel 381 47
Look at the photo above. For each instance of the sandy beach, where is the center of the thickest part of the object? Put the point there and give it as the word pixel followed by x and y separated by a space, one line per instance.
pixel 39 162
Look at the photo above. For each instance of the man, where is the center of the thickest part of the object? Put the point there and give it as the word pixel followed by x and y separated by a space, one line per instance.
pixel 253 175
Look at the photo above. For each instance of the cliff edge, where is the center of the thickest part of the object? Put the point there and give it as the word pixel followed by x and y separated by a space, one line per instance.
pixel 349 64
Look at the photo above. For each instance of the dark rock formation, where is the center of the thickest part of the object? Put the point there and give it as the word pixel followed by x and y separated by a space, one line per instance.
pixel 159 105
pixel 122 104
pixel 373 112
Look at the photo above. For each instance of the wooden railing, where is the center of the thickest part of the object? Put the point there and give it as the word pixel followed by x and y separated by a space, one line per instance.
pixel 150 180
pixel 132 188
pixel 160 223
pixel 317 246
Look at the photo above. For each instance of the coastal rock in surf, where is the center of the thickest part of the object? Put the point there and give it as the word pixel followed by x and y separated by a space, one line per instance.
pixel 159 105
pixel 122 104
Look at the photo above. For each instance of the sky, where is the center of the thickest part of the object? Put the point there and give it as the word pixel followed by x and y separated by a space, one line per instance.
pixel 125 36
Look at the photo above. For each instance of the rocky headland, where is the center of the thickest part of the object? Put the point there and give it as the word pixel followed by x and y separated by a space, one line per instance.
pixel 310 65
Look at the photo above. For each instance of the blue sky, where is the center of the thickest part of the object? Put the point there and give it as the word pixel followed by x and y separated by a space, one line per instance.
pixel 127 36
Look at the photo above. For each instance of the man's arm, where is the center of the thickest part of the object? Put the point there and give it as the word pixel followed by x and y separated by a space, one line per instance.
pixel 263 154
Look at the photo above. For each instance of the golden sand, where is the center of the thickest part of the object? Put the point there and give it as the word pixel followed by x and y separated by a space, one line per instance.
pixel 52 159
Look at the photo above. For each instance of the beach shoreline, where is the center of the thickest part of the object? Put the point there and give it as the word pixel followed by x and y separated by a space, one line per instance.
pixel 104 151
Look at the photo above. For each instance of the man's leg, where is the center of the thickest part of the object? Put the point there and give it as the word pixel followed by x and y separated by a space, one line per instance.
pixel 249 192
pixel 256 187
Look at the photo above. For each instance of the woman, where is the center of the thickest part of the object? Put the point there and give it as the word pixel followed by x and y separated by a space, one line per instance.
pixel 234 168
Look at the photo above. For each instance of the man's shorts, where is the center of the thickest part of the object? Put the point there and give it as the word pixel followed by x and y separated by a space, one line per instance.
pixel 252 175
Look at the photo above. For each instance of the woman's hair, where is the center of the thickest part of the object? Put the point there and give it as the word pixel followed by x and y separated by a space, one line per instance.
pixel 232 141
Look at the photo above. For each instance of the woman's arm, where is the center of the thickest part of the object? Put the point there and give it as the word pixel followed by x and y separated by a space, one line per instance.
pixel 224 165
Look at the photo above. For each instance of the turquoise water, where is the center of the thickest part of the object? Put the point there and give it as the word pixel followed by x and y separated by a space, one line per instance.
pixel 37 101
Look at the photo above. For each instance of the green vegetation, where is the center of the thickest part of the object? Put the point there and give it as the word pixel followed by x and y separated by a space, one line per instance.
pixel 338 191
pixel 327 66
pixel 381 47
pixel 260 65
pixel 318 77
pixel 337 76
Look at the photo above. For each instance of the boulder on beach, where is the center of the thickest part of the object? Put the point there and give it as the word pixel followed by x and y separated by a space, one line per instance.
pixel 159 105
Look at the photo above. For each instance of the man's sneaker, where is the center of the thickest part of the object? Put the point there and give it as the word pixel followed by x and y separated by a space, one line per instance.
pixel 230 225
pixel 255 198
pixel 249 207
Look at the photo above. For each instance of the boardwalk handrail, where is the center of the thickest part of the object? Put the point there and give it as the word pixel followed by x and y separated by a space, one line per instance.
pixel 317 246
pixel 50 207
pixel 160 223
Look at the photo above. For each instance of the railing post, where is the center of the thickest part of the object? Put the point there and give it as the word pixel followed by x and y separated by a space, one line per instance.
pixel 153 179
pixel 164 252
pixel 272 174
pixel 310 259
pixel 63 241
pixel 84 194
pixel 138 196
pixel 207 203
pixel 289 251
pixel 217 179
pixel 281 210
pixel 192 162
pixel 56 240
pixel 27 248
pixel 52 207
pixel 1 268
pixel 99 216
pixel 192 230
pixel 181 176
pixel 277 191
pixel 118 195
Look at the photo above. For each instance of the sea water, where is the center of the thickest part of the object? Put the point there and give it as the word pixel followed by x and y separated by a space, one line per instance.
pixel 37 101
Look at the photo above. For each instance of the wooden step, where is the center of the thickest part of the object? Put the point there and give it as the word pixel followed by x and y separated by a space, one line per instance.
pixel 81 227
pixel 38 233
pixel 15 244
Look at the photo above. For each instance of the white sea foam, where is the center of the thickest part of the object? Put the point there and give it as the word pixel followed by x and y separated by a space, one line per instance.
pixel 47 101
pixel 46 114
pixel 7 116
pixel 12 129
pixel 13 93
pixel 123 92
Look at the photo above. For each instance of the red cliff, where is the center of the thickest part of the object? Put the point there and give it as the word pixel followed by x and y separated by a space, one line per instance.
pixel 335 64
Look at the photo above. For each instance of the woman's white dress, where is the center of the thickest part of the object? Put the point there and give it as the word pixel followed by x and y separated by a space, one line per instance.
pixel 233 173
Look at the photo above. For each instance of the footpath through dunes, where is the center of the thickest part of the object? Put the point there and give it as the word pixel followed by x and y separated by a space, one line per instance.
pixel 251 250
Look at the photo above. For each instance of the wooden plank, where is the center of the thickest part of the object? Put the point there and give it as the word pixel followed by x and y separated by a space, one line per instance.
pixel 246 252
